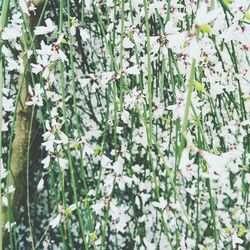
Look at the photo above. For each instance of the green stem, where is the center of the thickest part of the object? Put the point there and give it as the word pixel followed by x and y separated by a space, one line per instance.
pixel 188 101
pixel 27 178
pixel 149 74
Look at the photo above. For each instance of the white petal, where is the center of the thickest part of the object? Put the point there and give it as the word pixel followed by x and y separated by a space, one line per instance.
pixel 247 176
pixel 24 7
pixel 54 222
pixel 194 49
pixel 40 185
pixel 210 16
pixel 63 138
pixel 42 30
pixel 236 240
pixel 87 149
pixel 105 162
pixel 46 162
pixel 84 35
pixel 134 70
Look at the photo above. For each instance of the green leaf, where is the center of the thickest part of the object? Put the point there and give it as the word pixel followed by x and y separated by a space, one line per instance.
pixel 97 151
pixel 68 212
pixel 205 28
pixel 247 15
pixel 76 146
pixel 198 86
pixel 215 151
pixel 241 231
pixel 64 41
pixel 246 98
pixel 93 238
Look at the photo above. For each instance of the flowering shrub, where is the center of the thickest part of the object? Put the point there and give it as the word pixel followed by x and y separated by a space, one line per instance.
pixel 133 119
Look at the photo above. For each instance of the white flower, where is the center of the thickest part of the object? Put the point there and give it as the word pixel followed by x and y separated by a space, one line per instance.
pixel 84 34
pixel 136 168
pixel 42 66
pixel 42 30
pixel 175 39
pixel 45 50
pixel 178 109
pixel 11 33
pixel 63 138
pixel 130 100
pixel 2 170
pixel 9 225
pixel 145 198
pixel 127 43
pixel 63 163
pixel 125 116
pixel 236 240
pixel 105 77
pixel 8 104
pixel 37 97
pixel 186 165
pixel 216 164
pixel 49 143
pixel 161 204
pixel 46 162
pixel 9 190
pixel 97 208
pixel 87 150
pixel 121 179
pixel 36 68
pixel 32 7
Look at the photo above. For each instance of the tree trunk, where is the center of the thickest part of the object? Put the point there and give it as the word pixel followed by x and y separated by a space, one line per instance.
pixel 25 119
